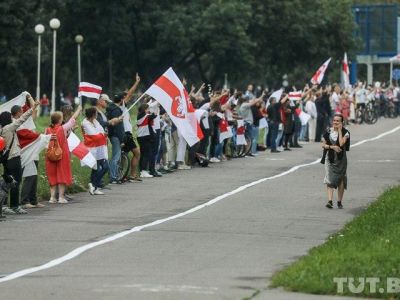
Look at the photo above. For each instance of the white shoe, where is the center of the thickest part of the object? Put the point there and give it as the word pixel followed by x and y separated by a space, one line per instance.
pixel 145 174
pixel 62 201
pixel 91 189
pixel 214 160
pixel 97 192
pixel 53 200
pixel 184 167
pixel 280 149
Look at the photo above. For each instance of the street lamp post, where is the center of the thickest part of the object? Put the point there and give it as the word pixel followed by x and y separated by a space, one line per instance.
pixel 54 24
pixel 39 29
pixel 79 41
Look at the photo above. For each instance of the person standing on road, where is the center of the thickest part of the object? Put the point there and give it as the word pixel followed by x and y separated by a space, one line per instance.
pixel 335 142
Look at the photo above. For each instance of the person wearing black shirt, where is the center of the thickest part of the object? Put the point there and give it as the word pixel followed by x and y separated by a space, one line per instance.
pixel 116 134
pixel 274 119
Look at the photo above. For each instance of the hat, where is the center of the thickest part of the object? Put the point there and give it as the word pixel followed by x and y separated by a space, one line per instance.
pixel 105 98
pixel 118 97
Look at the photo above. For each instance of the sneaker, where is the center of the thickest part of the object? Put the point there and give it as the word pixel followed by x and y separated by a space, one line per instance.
pixel 20 211
pixel 156 174
pixel 7 211
pixel 39 205
pixel 339 205
pixel 53 200
pixel 184 167
pixel 280 149
pixel 62 201
pixel 145 174
pixel 91 189
pixel 28 205
pixel 214 160
pixel 287 149
pixel 329 205
pixel 115 182
pixel 97 192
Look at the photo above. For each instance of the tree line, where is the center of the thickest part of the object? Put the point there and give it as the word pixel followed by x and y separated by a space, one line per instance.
pixel 251 41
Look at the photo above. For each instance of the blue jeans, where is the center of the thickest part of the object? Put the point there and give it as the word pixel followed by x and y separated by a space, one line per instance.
pixel 254 132
pixel 273 127
pixel 115 157
pixel 97 175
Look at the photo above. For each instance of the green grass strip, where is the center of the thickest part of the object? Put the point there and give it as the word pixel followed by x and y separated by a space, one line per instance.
pixel 367 247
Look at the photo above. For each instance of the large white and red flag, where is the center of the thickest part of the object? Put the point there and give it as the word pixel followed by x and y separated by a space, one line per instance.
pixel 77 148
pixel 319 75
pixel 240 131
pixel 345 72
pixel 89 90
pixel 169 91
pixel 31 145
pixel 21 101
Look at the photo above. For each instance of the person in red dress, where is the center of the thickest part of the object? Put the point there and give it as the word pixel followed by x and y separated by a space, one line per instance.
pixel 59 172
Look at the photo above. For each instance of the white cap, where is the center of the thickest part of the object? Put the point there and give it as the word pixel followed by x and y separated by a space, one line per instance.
pixel 105 98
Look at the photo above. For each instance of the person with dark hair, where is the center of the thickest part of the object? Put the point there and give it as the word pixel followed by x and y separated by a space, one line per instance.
pixel 335 142
pixel 146 138
pixel 12 166
pixel 129 142
pixel 96 141
pixel 59 172
pixel 29 184
pixel 116 133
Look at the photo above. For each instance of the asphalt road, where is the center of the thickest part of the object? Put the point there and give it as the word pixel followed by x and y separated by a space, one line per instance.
pixel 226 250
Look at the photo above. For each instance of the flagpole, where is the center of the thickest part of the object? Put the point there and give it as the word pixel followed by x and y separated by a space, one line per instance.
pixel 134 103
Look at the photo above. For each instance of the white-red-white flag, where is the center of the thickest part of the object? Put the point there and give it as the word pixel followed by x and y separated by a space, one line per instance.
pixel 225 131
pixel 77 148
pixel 345 72
pixel 94 139
pixel 240 131
pixel 319 75
pixel 295 95
pixel 30 151
pixel 169 91
pixel 21 101
pixel 89 90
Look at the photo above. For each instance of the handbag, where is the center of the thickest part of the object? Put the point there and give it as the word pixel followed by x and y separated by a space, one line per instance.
pixel 54 151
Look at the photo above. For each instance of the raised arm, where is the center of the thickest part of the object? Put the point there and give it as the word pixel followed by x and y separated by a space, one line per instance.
pixel 132 89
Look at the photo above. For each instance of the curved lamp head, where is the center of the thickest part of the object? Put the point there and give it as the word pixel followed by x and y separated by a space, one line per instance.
pixel 79 39
pixel 55 24
pixel 39 28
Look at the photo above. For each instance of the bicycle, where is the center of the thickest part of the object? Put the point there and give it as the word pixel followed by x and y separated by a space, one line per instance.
pixel 124 164
pixel 370 113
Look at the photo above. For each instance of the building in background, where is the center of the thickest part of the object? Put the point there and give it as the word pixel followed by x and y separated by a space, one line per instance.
pixel 378 29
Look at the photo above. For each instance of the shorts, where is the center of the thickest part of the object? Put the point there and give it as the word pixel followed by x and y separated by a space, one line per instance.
pixel 129 142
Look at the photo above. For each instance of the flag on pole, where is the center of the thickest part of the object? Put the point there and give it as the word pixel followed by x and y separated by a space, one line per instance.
pixel 77 148
pixel 345 72
pixel 169 91
pixel 89 90
pixel 240 138
pixel 277 95
pixel 192 118
pixel 319 75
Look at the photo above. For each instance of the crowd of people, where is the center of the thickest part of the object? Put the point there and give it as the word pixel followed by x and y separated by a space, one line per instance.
pixel 155 145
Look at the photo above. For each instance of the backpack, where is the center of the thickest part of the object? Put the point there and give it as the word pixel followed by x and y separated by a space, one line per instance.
pixel 54 151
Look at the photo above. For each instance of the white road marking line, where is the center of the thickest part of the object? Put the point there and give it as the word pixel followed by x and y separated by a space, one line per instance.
pixel 78 251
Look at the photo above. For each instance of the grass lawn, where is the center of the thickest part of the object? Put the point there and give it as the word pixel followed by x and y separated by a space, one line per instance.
pixel 368 246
